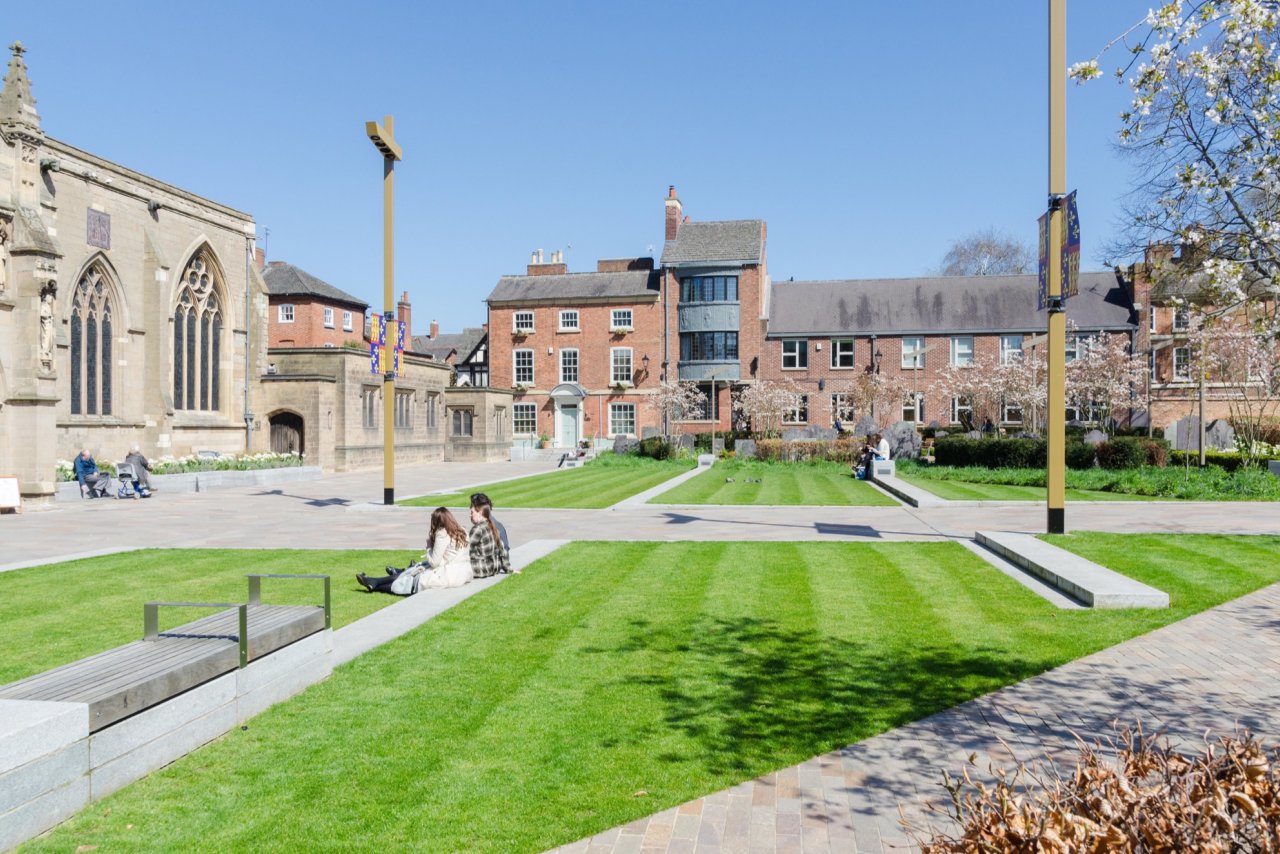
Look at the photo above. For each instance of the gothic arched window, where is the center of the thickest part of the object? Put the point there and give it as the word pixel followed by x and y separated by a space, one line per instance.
pixel 197 338
pixel 91 375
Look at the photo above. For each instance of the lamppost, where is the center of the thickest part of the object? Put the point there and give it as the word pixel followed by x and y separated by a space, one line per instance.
pixel 1055 408
pixel 383 136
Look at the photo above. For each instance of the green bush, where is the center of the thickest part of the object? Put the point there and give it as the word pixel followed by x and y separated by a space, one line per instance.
pixel 655 447
pixel 1123 452
pixel 1080 455
pixel 990 453
pixel 843 450
pixel 702 441
pixel 1224 459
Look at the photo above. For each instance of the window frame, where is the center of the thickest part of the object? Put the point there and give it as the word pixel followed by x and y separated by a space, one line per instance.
pixel 280 313
pixel 799 357
pixel 462 416
pixel 576 326
pixel 917 407
pixel 614 365
pixel 1183 375
pixel 369 407
pixel 840 409
pixel 615 316
pixel 957 407
pixel 433 399
pixel 348 321
pixel 1181 319
pixel 614 409
pixel 798 414
pixel 517 327
pixel 516 419
pixel 329 316
pixel 912 359
pixel 955 347
pixel 516 366
pixel 838 353
pixel 403 409
pixel 1009 354
pixel 577 365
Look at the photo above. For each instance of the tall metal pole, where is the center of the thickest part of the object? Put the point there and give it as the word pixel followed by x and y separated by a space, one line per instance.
pixel 1055 413
pixel 383 137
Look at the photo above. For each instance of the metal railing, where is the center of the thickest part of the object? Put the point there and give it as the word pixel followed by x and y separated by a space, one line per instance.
pixel 151 621
pixel 255 591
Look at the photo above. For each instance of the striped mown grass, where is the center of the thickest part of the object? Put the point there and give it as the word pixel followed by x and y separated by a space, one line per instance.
pixel 765 483
pixel 613 680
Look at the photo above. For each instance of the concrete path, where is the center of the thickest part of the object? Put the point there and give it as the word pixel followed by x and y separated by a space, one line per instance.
pixel 1209 672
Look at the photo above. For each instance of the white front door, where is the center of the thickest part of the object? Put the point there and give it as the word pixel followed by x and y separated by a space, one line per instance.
pixel 566 425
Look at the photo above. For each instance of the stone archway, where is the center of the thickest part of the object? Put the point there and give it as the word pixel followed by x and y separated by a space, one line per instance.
pixel 288 433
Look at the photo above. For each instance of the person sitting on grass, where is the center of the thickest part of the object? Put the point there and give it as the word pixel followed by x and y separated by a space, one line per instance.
pixel 479 499
pixel 487 540
pixel 447 562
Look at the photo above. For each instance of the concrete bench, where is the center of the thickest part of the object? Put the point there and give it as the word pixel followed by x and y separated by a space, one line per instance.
pixel 126 680
pixel 1083 580
pixel 881 469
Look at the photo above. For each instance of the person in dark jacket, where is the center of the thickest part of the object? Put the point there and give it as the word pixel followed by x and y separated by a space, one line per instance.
pixel 485 542
pixel 140 466
pixel 86 469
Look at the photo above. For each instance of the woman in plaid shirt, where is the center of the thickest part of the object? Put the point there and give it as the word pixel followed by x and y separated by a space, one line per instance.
pixel 488 557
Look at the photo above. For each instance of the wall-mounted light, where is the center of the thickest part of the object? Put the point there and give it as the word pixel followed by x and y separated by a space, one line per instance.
pixel 644 360
pixel 549 350
pixel 877 358
pixel 822 385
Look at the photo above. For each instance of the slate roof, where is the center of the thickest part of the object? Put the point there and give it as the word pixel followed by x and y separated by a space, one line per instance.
pixel 703 242
pixel 464 343
pixel 938 305
pixel 631 284
pixel 286 280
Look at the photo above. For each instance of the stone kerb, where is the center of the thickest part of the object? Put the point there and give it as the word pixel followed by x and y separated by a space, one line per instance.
pixel 1094 585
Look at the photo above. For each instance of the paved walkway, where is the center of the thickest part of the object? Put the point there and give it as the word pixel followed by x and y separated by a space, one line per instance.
pixel 1207 672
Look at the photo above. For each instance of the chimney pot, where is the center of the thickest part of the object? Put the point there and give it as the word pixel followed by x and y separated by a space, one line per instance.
pixel 435 330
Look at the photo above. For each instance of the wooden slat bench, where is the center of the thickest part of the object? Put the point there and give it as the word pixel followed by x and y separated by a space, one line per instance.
pixel 123 681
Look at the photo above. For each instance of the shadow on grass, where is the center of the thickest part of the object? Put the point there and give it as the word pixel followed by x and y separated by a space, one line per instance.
pixel 761 692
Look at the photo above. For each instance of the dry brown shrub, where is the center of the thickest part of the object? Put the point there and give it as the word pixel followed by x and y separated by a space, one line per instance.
pixel 1130 793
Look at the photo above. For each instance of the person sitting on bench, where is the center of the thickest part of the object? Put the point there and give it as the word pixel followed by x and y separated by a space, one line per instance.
pixel 93 483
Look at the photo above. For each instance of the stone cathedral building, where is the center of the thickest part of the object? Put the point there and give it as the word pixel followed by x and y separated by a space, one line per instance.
pixel 131 312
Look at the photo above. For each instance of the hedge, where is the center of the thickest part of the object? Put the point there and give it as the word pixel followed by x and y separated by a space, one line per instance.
pixel 1226 460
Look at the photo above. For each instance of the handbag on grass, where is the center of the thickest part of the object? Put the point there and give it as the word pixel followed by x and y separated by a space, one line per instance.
pixel 406 583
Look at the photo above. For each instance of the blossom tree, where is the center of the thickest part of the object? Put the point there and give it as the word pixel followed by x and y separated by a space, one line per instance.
pixel 1204 128
pixel 677 401
pixel 1241 364
pixel 1022 384
pixel 764 405
pixel 978 385
pixel 875 395
pixel 1104 376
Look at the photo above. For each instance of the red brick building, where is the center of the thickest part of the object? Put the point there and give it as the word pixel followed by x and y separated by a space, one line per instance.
pixel 308 312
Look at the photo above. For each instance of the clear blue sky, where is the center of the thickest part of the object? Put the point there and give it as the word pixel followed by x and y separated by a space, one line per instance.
pixel 868 136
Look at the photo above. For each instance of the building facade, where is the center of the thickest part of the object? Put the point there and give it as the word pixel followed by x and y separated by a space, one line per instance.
pixel 466 352
pixel 306 311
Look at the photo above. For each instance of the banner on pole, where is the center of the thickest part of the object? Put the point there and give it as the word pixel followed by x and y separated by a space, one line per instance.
pixel 378 332
pixel 375 358
pixel 401 333
pixel 1042 294
pixel 395 363
pixel 1070 246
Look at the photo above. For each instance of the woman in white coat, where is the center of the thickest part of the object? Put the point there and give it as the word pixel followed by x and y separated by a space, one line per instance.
pixel 447 562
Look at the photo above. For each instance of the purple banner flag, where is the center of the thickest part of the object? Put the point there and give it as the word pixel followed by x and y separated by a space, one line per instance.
pixel 375 358
pixel 401 328
pixel 1042 295
pixel 1070 247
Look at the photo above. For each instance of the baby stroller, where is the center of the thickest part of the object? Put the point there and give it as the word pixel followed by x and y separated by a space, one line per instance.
pixel 130 486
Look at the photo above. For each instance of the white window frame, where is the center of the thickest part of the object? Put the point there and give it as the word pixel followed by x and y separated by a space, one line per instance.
pixel 623 377
pixel 615 421
pixel 1006 413
pixel 569 321
pixel 1151 310
pixel 912 352
pixel 956 350
pixel 957 407
pixel 1181 320
pixel 621 320
pixel 531 419
pixel 519 327
pixel 797 414
pixel 348 322
pixel 838 403
pixel 577 366
pixel 516 367
pixel 838 353
pixel 918 409
pixel 1011 347
pixel 1182 366
pixel 285 312
pixel 799 348
pixel 1151 364
pixel 328 317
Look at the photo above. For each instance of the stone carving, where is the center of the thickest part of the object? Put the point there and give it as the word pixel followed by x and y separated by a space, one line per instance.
pixel 904 441
pixel 1220 436
pixel 625 445
pixel 47 294
pixel 4 255
pixel 28 154
pixel 745 449
pixel 865 426
pixel 1184 434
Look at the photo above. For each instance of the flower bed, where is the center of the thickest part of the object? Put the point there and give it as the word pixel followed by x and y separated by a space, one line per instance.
pixel 194 463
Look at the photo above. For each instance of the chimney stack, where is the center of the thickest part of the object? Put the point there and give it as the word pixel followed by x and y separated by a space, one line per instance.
pixel 259 258
pixel 674 210
pixel 435 330
pixel 404 312
pixel 554 267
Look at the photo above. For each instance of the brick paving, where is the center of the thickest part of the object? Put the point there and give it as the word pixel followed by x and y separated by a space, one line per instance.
pixel 1206 673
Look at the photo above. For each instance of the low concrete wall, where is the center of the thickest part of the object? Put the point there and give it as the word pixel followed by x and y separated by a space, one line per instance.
pixel 51 767
pixel 205 481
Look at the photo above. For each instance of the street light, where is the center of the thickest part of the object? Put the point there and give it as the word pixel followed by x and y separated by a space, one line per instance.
pixel 1055 404
pixel 383 137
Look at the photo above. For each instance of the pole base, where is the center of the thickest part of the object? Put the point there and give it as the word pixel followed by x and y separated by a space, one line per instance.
pixel 1057 520
pixel 389 495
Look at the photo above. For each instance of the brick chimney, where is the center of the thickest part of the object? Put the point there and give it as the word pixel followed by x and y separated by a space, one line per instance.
pixel 404 312
pixel 623 265
pixel 674 210
pixel 259 258
pixel 435 330
pixel 555 267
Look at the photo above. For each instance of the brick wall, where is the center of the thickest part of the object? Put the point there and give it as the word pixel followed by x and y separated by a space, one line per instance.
pixel 308 328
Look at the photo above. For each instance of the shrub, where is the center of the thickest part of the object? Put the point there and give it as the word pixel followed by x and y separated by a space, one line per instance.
pixel 1133 793
pixel 1122 452
pixel 1223 459
pixel 1268 430
pixel 655 447
pixel 1080 455
pixel 991 453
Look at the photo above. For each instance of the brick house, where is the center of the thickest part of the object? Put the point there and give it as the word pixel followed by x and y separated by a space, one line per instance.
pixel 308 312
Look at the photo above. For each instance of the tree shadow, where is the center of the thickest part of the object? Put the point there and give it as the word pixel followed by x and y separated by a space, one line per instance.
pixel 314 502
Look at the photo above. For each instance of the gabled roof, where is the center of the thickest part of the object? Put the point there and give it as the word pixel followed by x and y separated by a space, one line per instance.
pixel 286 280
pixel 570 287
pixel 463 343
pixel 740 240
pixel 939 304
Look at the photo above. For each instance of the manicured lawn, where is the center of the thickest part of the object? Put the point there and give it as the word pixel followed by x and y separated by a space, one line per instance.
pixel 756 482
pixel 53 615
pixel 612 680
pixel 603 482
pixel 1213 483
pixel 958 490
